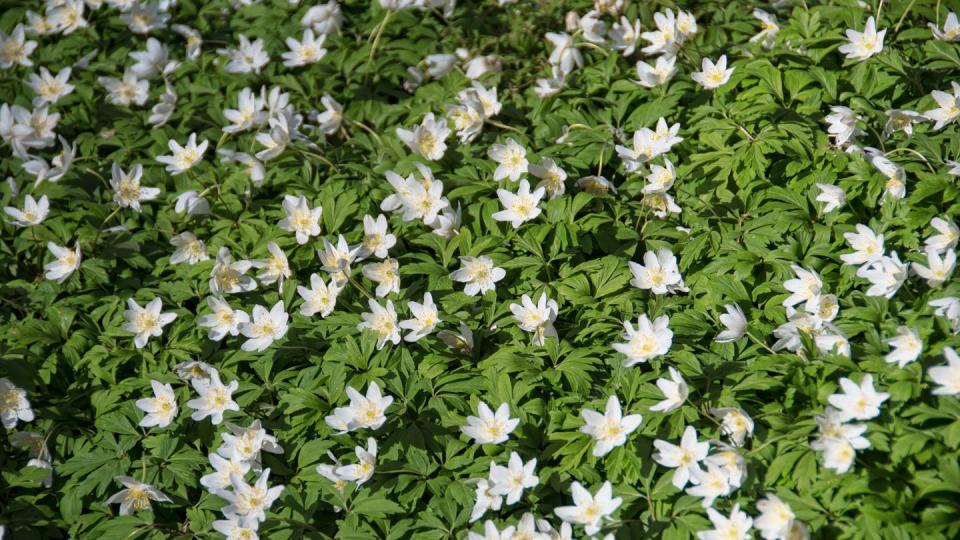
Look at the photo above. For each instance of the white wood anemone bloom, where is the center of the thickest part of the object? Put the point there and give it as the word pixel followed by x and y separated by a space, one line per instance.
pixel 734 323
pixel 479 274
pixel 319 298
pixel 734 527
pixel 382 320
pixel 425 319
pixel 536 318
pixel 250 502
pixel 161 409
pixel 135 496
pixel 659 273
pixel 712 75
pixel 224 320
pixel 683 458
pixel 490 427
pixel 906 346
pixel 363 411
pixel 300 219
pixel 589 510
pixel 675 392
pixel 146 321
pixel 520 207
pixel 427 138
pixel 183 158
pixel 511 481
pixel 648 340
pixel 947 376
pixel 951 29
pixel 363 470
pixel 864 44
pixel 127 189
pixel 67 261
pixel 858 401
pixel 265 327
pixel 33 213
pixel 214 399
pixel 610 429
pixel 511 160
pixel 14 405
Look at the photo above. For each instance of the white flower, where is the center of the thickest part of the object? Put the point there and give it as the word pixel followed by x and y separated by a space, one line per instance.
pixel 250 502
pixel 520 207
pixel 948 307
pixel 190 249
pixel 336 259
pixel 477 66
pixel 624 35
pixel 730 462
pixel 659 274
pixel 427 138
pixel 265 327
pixel 275 267
pixel 858 402
pixel 735 527
pixel 610 429
pixel 324 18
pixel 467 118
pixel 308 50
pixel 330 120
pixel 805 287
pixel 681 458
pixel 686 25
pixel 734 322
pixel 439 65
pixel 376 238
pixel 589 510
pixel 899 120
pixel 183 158
pixel 224 468
pixel 664 39
pixel 192 203
pixel 486 500
pixel 144 17
pixel 551 177
pixel 864 44
pixel 949 107
pixel 661 177
pixel 67 261
pixel 547 87
pixel 127 189
pixel 490 532
pixel 592 27
pixel 885 276
pixel 675 392
pixel 249 112
pixel 660 73
pixel 15 48
pixel 713 75
pixel 947 376
pixel 945 241
pixel 479 274
pixel 425 319
pixel 768 28
pixel 423 202
pixel 832 196
pixel 536 318
pixel 951 29
pixel 383 321
pixel 50 89
pixel 842 125
pixel 248 57
pixel 362 412
pixel 490 427
pixel 709 484
pixel 565 54
pixel 938 268
pixel 254 167
pixel 193 38
pixel 648 144
pixel 193 369
pixel 867 245
pixel 648 341
pixel 146 321
pixel 906 347
pixel 151 62
pixel 838 454
pixel 487 98
pixel 33 213
pixel 136 496
pixel 510 481
pixel 161 409
pixel 245 443
pixel 735 422
pixel 227 275
pixel 386 274
pixel 126 90
pixel 511 159
pixel 319 298
pixel 14 405
pixel 362 471
pixel 776 518
pixel 215 398
pixel 224 319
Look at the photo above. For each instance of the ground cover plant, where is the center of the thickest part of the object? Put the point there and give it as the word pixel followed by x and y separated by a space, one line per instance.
pixel 432 269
